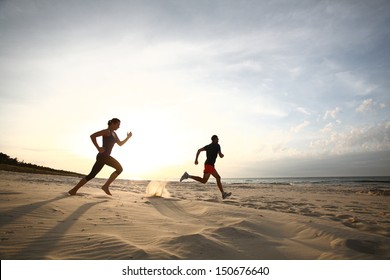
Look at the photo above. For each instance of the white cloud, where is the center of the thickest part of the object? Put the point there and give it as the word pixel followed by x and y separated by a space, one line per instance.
pixel 332 113
pixel 266 107
pixel 299 127
pixel 366 105
pixel 327 128
pixel 356 139
pixel 356 84
pixel 186 63
pixel 303 111
pixel 295 72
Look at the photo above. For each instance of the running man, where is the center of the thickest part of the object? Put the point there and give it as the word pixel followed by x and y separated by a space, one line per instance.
pixel 103 157
pixel 212 151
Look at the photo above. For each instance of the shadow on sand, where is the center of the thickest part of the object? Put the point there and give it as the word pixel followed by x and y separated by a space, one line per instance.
pixel 40 247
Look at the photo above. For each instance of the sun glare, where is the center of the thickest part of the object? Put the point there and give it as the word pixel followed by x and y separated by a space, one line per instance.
pixel 153 151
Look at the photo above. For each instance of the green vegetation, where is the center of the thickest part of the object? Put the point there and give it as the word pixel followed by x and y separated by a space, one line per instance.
pixel 12 164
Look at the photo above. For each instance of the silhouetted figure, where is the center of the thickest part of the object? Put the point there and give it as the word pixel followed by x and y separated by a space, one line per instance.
pixel 104 156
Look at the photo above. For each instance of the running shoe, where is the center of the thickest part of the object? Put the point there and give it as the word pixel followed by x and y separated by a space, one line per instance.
pixel 185 176
pixel 226 195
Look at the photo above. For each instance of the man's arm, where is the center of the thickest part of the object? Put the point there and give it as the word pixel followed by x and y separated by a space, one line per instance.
pixel 221 155
pixel 197 154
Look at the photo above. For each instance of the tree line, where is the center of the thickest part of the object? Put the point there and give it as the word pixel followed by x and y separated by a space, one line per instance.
pixel 7 162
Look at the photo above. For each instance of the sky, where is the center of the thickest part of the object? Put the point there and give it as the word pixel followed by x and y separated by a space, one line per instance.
pixel 292 88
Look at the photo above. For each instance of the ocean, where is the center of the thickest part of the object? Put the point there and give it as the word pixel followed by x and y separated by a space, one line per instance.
pixel 357 180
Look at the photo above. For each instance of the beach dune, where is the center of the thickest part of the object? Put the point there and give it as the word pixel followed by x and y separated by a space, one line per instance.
pixel 39 220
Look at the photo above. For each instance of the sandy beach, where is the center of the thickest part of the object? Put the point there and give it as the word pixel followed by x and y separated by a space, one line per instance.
pixel 39 220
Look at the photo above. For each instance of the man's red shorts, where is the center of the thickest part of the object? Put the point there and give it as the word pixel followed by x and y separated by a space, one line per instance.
pixel 209 169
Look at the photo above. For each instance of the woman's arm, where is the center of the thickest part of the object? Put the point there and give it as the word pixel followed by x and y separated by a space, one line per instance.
pixel 95 135
pixel 119 142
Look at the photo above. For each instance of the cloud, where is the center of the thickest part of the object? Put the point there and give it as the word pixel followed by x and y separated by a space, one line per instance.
pixel 327 128
pixel 356 139
pixel 284 79
pixel 332 113
pixel 356 84
pixel 303 111
pixel 366 105
pixel 299 127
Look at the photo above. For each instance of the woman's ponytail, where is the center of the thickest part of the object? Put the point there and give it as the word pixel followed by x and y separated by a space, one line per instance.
pixel 113 121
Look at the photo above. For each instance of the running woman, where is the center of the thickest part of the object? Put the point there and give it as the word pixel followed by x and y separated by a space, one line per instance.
pixel 104 156
pixel 212 151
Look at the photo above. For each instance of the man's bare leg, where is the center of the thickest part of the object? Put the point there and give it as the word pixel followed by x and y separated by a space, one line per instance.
pixel 203 180
pixel 219 183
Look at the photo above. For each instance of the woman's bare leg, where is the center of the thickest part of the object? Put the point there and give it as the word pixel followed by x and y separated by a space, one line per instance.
pixel 108 183
pixel 79 185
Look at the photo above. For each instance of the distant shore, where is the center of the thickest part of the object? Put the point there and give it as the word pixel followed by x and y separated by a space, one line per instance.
pixel 33 170
pixel 8 163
